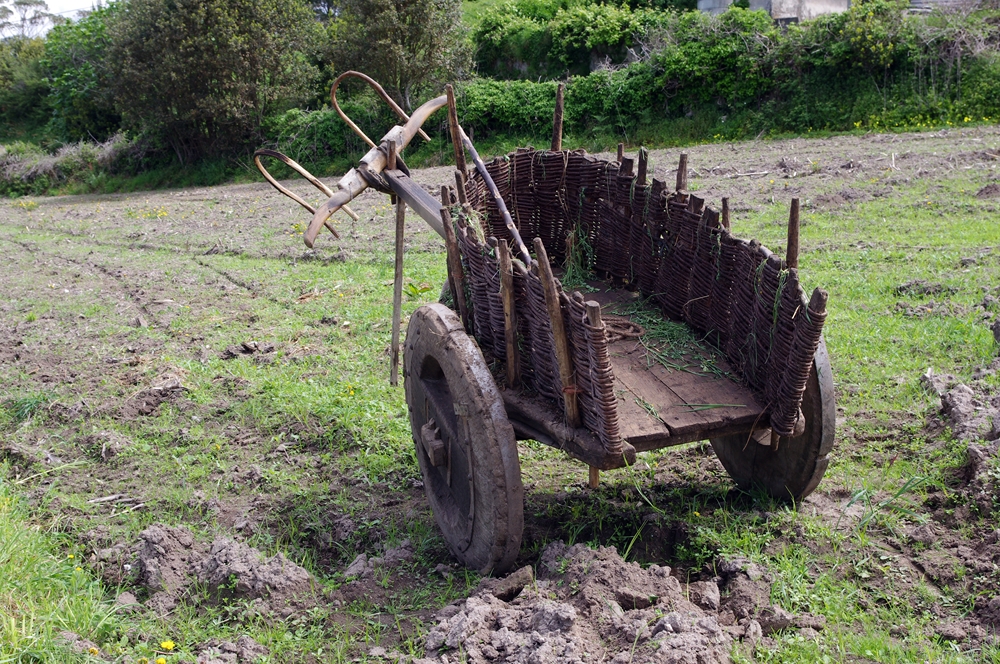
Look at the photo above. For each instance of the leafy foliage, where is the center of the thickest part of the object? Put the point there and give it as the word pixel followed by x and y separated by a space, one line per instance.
pixel 405 45
pixel 22 85
pixel 202 75
pixel 76 65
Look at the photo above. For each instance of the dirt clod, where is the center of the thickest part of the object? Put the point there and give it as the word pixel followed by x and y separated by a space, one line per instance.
pixel 170 559
pixel 244 650
pixel 989 191
pixel 590 603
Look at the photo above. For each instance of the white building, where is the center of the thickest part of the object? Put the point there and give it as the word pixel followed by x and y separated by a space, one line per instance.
pixel 783 10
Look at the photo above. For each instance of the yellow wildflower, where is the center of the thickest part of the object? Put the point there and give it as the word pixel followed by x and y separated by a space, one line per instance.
pixel 93 651
pixel 161 660
pixel 167 645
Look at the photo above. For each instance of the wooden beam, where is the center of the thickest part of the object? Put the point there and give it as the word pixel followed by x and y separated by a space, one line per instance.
pixel 456 137
pixel 621 151
pixel 563 356
pixel 643 165
pixel 397 284
pixel 682 173
pixel 557 120
pixel 792 253
pixel 725 213
pixel 463 196
pixel 509 313
pixel 455 276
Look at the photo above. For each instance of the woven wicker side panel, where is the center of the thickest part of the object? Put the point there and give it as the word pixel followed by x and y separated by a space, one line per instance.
pixel 575 311
pixel 743 305
pixel 761 337
pixel 808 332
pixel 674 274
pixel 653 240
pixel 582 173
pixel 704 269
pixel 500 169
pixel 543 357
pixel 524 341
pixel 549 175
pixel 720 315
pixel 789 303
pixel 491 275
pixel 473 259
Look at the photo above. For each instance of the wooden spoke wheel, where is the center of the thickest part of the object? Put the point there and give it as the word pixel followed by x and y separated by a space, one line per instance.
pixel 794 469
pixel 465 445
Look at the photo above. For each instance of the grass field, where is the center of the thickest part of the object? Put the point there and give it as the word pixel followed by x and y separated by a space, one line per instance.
pixel 180 358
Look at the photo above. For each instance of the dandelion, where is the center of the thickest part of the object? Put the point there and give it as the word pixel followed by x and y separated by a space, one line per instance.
pixel 93 651
pixel 696 513
pixel 79 569
pixel 161 660
pixel 167 645
pixel 70 556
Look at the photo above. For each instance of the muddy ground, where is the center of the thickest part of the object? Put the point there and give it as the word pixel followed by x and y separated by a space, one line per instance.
pixel 158 352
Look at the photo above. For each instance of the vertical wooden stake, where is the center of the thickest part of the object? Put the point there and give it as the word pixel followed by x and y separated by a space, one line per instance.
pixel 509 313
pixel 725 213
pixel 463 197
pixel 563 356
pixel 595 478
pixel 621 151
pixel 455 276
pixel 456 137
pixel 557 120
pixel 397 292
pixel 792 254
pixel 643 164
pixel 682 173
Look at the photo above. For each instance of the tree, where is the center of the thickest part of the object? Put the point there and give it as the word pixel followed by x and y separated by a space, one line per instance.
pixel 202 74
pixel 23 18
pixel 404 44
pixel 76 66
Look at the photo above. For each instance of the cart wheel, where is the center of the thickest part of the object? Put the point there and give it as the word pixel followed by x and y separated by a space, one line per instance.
pixel 794 470
pixel 465 445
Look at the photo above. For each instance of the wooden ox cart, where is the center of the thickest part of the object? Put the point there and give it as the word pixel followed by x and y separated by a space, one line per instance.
pixel 599 375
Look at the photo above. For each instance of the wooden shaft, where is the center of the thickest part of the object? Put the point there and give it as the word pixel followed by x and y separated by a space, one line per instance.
pixel 463 197
pixel 397 292
pixel 557 120
pixel 456 279
pixel 558 334
pixel 456 137
pixel 509 313
pixel 621 151
pixel 725 213
pixel 682 173
pixel 792 254
pixel 643 164
pixel 625 167
pixel 594 480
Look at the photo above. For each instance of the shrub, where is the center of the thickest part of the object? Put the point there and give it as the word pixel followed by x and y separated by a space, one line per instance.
pixel 201 75
pixel 76 67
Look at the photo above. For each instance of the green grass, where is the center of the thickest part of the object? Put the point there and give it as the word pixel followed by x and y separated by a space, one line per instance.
pixel 44 591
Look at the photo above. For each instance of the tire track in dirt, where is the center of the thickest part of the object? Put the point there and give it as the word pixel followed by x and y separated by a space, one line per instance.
pixel 99 271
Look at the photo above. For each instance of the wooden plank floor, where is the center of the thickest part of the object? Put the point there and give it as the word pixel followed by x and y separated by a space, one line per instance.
pixel 665 398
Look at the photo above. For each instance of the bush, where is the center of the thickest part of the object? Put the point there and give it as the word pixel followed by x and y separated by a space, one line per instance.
pixel 201 75
pixel 76 67
pixel 23 88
